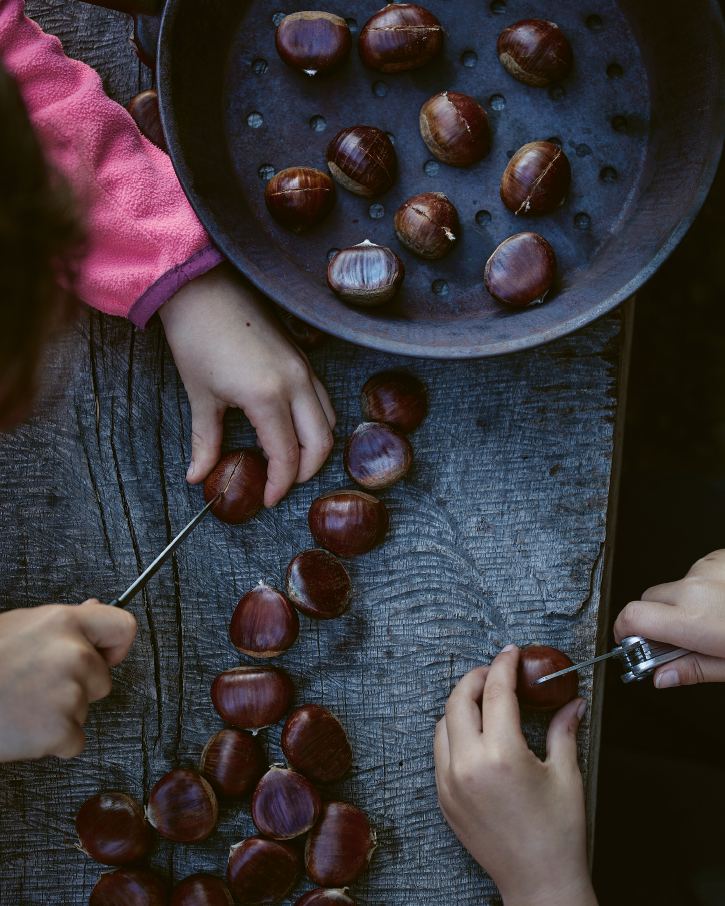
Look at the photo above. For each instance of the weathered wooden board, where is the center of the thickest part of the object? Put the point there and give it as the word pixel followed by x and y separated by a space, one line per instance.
pixel 497 535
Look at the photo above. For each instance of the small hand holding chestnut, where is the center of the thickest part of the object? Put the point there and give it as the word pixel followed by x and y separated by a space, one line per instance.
pixel 521 819
pixel 54 660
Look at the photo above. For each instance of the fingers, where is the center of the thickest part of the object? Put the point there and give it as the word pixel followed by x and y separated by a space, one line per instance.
pixel 313 434
pixel 690 669
pixel 463 711
pixel 207 429
pixel 561 746
pixel 441 747
pixel 71 742
pixel 684 627
pixel 109 629
pixel 501 714
pixel 324 399
pixel 276 433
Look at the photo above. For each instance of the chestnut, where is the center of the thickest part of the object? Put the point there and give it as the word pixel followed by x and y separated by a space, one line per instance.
pixel 377 455
pixel 299 197
pixel 318 584
pixel 535 52
pixel 348 523
pixel 241 475
pixel 232 762
pixel 201 890
pixel 363 160
pixel 400 36
pixel 182 806
pixel 284 804
pixel 541 660
pixel 144 109
pixel 315 743
pixel 521 270
pixel 313 42
pixel 395 397
pixel 305 335
pixel 366 274
pixel 324 896
pixel 264 623
pixel 427 225
pixel 251 697
pixel 129 887
pixel 262 871
pixel 455 128
pixel 112 829
pixel 339 847
pixel 536 179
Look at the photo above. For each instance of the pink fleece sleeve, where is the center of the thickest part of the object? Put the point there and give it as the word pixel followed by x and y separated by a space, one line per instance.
pixel 144 240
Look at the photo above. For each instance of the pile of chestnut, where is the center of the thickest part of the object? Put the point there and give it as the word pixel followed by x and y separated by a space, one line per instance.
pixel 454 127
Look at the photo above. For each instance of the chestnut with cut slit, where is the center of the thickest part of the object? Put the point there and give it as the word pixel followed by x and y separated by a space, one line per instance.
pixel 363 160
pixel 144 109
pixel 324 896
pixel 377 455
pixel 455 128
pixel 242 476
pixel 252 697
pixel 400 36
pixel 521 270
pixel 263 871
pixel 314 42
pixel 182 806
pixel 339 847
pixel 264 623
pixel 232 762
pixel 348 523
pixel 366 274
pixel 536 179
pixel 299 197
pixel 315 743
pixel 284 804
pixel 535 52
pixel 318 584
pixel 129 887
pixel 397 398
pixel 541 660
pixel 427 225
pixel 112 829
pixel 201 890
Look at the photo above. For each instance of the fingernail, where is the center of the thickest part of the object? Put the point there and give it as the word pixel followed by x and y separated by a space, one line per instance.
pixel 667 680
pixel 190 473
pixel 581 709
pixel 508 648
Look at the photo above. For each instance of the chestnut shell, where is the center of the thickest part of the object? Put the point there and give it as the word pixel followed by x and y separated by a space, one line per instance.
pixel 232 762
pixel 541 660
pixel 348 523
pixel 112 829
pixel 137 886
pixel 299 197
pixel 339 847
pixel 521 270
pixel 201 890
pixel 264 623
pixel 144 109
pixel 242 476
pixel 324 896
pixel 263 871
pixel 315 743
pixel 535 52
pixel 363 160
pixel 182 806
pixel 400 36
pixel 397 398
pixel 314 42
pixel 284 804
pixel 366 274
pixel 376 455
pixel 318 584
pixel 455 128
pixel 427 225
pixel 536 179
pixel 252 697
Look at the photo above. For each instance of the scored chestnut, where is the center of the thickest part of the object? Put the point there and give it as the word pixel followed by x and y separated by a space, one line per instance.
pixel 535 52
pixel 363 160
pixel 284 804
pixel 395 397
pixel 299 197
pixel 263 871
pixel 366 274
pixel 339 847
pixel 377 455
pixel 455 128
pixel 313 42
pixel 112 829
pixel 348 523
pixel 201 890
pixel 315 743
pixel 318 584
pixel 251 697
pixel 536 179
pixel 521 270
pixel 400 36
pixel 541 660
pixel 264 623
pixel 324 896
pixel 427 225
pixel 126 886
pixel 240 476
pixel 182 806
pixel 144 109
pixel 232 762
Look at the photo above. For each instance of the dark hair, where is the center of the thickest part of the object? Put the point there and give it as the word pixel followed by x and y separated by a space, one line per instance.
pixel 40 244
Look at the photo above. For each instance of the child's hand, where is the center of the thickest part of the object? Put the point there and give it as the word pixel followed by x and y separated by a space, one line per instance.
pixel 521 819
pixel 690 614
pixel 230 351
pixel 54 660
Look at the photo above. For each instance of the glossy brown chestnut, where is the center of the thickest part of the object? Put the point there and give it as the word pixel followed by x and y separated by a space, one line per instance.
pixel 363 160
pixel 262 871
pixel 241 475
pixel 305 335
pixel 284 804
pixel 129 887
pixel 299 197
pixel 427 225
pixel 348 523
pixel 232 762
pixel 400 36
pixel 521 270
pixel 313 42
pixel 144 109
pixel 252 697
pixel 264 623
pixel 315 743
pixel 455 128
pixel 112 829
pixel 366 274
pixel 201 890
pixel 535 52
pixel 182 806
pixel 541 660
pixel 339 847
pixel 536 179
pixel 324 896
pixel 318 584
pixel 396 398
pixel 377 455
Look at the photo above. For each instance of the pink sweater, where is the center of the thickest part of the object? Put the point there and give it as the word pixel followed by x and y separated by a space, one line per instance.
pixel 144 240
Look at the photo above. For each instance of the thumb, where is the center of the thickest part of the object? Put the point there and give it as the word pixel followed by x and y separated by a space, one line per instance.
pixel 561 748
pixel 109 629
pixel 690 669
pixel 207 430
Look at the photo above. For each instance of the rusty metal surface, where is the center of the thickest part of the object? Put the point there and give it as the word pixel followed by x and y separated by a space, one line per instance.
pixel 641 124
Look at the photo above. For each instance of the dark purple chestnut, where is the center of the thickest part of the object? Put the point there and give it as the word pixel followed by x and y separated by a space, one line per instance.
pixel 241 475
pixel 535 52
pixel 112 829
pixel 201 890
pixel 366 274
pixel 252 697
pixel 305 335
pixel 536 179
pixel 427 225
pixel 348 523
pixel 377 455
pixel 129 887
pixel 339 847
pixel 299 197
pixel 541 660
pixel 313 42
pixel 521 270
pixel 396 398
pixel 315 743
pixel 263 871
pixel 264 623
pixel 182 806
pixel 232 762
pixel 455 128
pixel 400 36
pixel 324 896
pixel 284 804
pixel 144 109
pixel 363 160
pixel 318 585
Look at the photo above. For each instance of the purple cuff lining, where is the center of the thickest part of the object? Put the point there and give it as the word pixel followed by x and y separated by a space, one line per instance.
pixel 171 282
